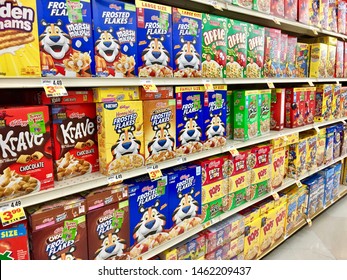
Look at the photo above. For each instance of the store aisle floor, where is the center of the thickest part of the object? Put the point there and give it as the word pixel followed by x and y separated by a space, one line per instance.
pixel 325 240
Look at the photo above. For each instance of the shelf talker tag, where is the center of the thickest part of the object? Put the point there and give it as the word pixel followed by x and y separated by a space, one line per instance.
pixel 310 83
pixel 298 183
pixel 317 129
pixel 154 172
pixel 12 215
pixel 276 20
pixel 149 86
pixel 309 222
pixel 276 196
pixel 338 82
pixel 54 88
pixel 233 151
pixel 208 85
pixel 181 160
pixel 117 178
pixel 314 30
pixel 270 84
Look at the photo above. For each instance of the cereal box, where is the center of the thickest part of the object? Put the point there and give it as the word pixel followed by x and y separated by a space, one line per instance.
pixel 332 16
pixel 236 49
pixel 324 12
pixel 258 163
pixel 255 51
pixel 272 53
pixel 345 61
pixel 154 40
pixel 149 211
pixel 277 8
pixel 163 93
pixel 329 144
pixel 304 11
pixel 310 99
pixel 314 13
pixel 328 175
pixel 344 141
pixel 19 57
pixel 264 99
pixel 114 38
pixel 239 178
pixel 336 104
pixel 280 220
pixel 26 154
pixel 214 45
pixel 216 236
pixel 215 168
pixel 218 254
pixel 184 191
pixel 302 59
pixel 186 36
pixel 262 6
pixel 266 230
pixel 159 122
pixel 331 61
pixel 343 102
pixel 237 226
pixel 291 9
pixel 321 143
pixel 246 114
pixel 301 204
pixel 283 56
pixel 189 119
pixel 341 17
pixel 277 169
pixel 243 3
pixel 291 213
pixel 337 178
pixel 115 94
pixel 324 100
pixel 192 249
pixel 311 152
pixel 120 136
pixel 297 159
pixel 339 59
pixel 338 140
pixel 291 57
pixel 319 60
pixel 277 109
pixel 230 116
pixel 66 38
pixel 261 189
pixel 295 107
pixel 236 247
pixel 252 236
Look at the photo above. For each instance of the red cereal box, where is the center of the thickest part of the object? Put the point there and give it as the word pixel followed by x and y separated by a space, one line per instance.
pixel 272 52
pixel 239 178
pixel 291 57
pixel 74 97
pixel 214 168
pixel 258 163
pixel 277 109
pixel 295 107
pixel 291 9
pixel 277 8
pixel 323 11
pixel 283 55
pixel 310 104
pixel 339 59
pixel 26 154
pixel 345 61
pixel 304 11
pixel 332 16
pixel 341 17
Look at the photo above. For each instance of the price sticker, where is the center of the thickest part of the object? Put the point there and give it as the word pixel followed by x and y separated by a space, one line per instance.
pixel 233 151
pixel 149 86
pixel 181 160
pixel 299 184
pixel 207 224
pixel 276 196
pixel 115 178
pixel 270 84
pixel 310 83
pixel 12 216
pixel 317 129
pixel 338 82
pixel 276 21
pixel 314 30
pixel 54 88
pixel 309 222
pixel 208 85
pixel 154 172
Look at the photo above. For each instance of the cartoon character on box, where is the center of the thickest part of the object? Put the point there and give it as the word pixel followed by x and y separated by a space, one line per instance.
pixel 155 53
pixel 187 208
pixel 127 144
pixel 111 246
pixel 216 127
pixel 65 256
pixel 191 132
pixel 188 57
pixel 162 140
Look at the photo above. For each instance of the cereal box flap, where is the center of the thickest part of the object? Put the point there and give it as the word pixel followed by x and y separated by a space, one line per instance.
pixel 191 14
pixel 189 89
pixel 153 6
pixel 73 97
pixel 115 94
pixel 163 93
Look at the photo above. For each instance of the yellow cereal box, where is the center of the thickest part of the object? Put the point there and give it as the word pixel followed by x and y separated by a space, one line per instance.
pixel 252 236
pixel 328 40
pixel 319 59
pixel 120 136
pixel 115 94
pixel 321 140
pixel 331 61
pixel 19 43
pixel 159 119
pixel 280 220
pixel 297 158
pixel 311 152
pixel 169 254
pixel 278 167
pixel 291 215
pixel 266 230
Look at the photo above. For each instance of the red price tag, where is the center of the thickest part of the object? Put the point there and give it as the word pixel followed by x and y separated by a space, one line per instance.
pixel 12 216
pixel 154 172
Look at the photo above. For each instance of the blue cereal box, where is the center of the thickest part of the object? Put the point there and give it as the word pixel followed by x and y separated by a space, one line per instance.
pixel 66 39
pixel 114 38
pixel 215 117
pixel 154 39
pixel 184 192
pixel 186 38
pixel 189 119
pixel 337 176
pixel 148 207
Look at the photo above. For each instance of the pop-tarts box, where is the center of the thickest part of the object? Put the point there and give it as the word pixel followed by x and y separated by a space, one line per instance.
pixel 114 38
pixel 154 39
pixel 215 117
pixel 184 192
pixel 186 41
pixel 189 119
pixel 66 38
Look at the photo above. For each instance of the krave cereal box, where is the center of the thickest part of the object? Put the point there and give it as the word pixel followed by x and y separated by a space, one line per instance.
pixel 186 41
pixel 154 39
pixel 19 47
pixel 66 41
pixel 114 38
pixel 255 51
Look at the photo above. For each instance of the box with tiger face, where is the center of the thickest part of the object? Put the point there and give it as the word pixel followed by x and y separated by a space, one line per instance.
pixel 66 39
pixel 154 39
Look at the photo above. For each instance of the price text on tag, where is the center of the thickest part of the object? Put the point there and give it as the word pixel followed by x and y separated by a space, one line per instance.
pixel 149 86
pixel 54 88
pixel 233 151
pixel 12 216
pixel 154 172
pixel 115 178
pixel 299 184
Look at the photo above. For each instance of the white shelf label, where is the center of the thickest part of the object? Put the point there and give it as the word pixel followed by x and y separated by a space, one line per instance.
pixel 310 83
pixel 115 178
pixel 181 160
pixel 208 85
pixel 54 87
pixel 154 172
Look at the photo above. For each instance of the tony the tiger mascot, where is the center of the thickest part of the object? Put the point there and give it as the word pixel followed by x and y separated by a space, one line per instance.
pixel 188 57
pixel 190 132
pixel 155 53
pixel 162 140
pixel 126 144
pixel 187 208
pixel 152 222
pixel 65 256
pixel 216 126
pixel 111 246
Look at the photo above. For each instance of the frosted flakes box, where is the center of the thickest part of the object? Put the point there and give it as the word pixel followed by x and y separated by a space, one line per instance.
pixel 272 53
pixel 341 17
pixel 243 3
pixel 186 41
pixel 120 136
pixel 263 6
pixel 277 8
pixel 291 9
pixel 66 39
pixel 255 51
pixel 332 16
pixel 291 70
pixel 214 45
pixel 324 100
pixel 283 55
pixel 264 99
pixel 19 47
pixel 339 59
pixel 319 60
pixel 237 49
pixel 154 40
pixel 114 38
pixel 189 119
pixel 302 59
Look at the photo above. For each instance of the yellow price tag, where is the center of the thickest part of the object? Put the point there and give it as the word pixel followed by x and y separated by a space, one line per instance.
pixel 208 86
pixel 207 224
pixel 276 196
pixel 150 87
pixel 12 216
pixel 234 152
pixel 154 172
pixel 54 88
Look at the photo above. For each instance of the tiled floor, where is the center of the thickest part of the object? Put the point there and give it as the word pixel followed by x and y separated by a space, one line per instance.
pixel 325 240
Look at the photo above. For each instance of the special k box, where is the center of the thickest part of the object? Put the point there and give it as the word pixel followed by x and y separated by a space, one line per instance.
pixel 74 134
pixel 26 154
pixel 19 47
pixel 186 36
pixel 120 136
pixel 114 38
pixel 66 39
pixel 154 39
pixel 159 122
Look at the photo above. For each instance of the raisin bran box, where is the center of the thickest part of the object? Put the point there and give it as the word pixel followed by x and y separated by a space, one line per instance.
pixel 189 119
pixel 149 212
pixel 186 37
pixel 255 51
pixel 154 40
pixel 214 45
pixel 120 136
pixel 114 38
pixel 58 229
pixel 19 48
pixel 26 153
pixel 277 8
pixel 66 39
pixel 159 117
pixel 215 117
pixel 283 56
pixel 291 9
pixel 237 49
pixel 277 109
pixel 291 57
pixel 339 59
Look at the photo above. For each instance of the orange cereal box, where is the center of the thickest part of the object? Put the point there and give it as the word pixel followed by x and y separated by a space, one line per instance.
pixel 19 43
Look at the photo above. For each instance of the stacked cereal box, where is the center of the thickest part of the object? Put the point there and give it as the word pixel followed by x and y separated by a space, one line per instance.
pixel 66 39
pixel 264 115
pixel 291 70
pixel 291 9
pixel 277 109
pixel 186 36
pixel 302 59
pixel 277 167
pixel 339 59
pixel 297 158
pixel 313 192
pixel 277 8
pixel 255 51
pixel 262 6
pixel 19 57
pixel 319 60
pixel 272 53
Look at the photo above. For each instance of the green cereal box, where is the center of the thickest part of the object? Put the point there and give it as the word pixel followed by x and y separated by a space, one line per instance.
pixel 236 49
pixel 255 51
pixel 260 189
pixel 262 6
pixel 264 115
pixel 229 115
pixel 245 125
pixel 214 45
